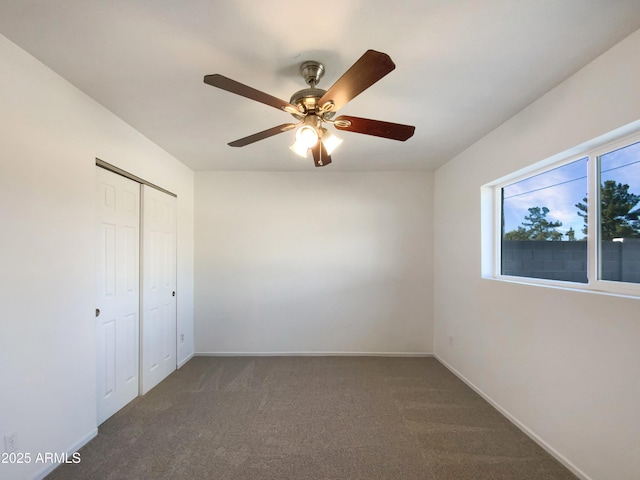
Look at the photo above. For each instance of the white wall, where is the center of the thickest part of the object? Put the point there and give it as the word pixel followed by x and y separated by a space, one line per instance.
pixel 50 135
pixel 564 364
pixel 313 262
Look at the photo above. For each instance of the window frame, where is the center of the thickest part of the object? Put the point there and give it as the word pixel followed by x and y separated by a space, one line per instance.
pixel 592 152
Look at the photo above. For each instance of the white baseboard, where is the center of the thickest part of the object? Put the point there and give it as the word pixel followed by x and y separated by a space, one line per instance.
pixel 186 360
pixel 313 354
pixel 530 433
pixel 77 446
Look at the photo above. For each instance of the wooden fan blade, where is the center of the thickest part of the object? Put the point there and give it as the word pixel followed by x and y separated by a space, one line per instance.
pixel 320 155
pixel 377 128
pixel 262 135
pixel 369 68
pixel 238 88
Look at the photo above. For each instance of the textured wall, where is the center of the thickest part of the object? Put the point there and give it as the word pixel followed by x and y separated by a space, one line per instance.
pixel 50 135
pixel 562 363
pixel 314 262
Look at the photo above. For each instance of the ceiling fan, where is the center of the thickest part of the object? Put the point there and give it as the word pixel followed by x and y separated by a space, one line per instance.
pixel 313 107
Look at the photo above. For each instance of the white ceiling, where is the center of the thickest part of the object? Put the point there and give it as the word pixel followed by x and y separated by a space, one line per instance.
pixel 462 67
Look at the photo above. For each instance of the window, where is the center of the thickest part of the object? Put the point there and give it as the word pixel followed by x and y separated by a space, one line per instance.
pixel 619 206
pixel 542 225
pixel 543 221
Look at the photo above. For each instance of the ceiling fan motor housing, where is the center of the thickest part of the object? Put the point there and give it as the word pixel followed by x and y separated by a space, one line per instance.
pixel 307 99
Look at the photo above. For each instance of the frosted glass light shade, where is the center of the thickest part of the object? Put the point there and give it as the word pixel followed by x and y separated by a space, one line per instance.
pixel 299 149
pixel 306 137
pixel 330 141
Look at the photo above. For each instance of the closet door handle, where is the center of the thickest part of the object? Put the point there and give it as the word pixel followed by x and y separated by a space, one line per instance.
pixel 97 312
pixel 173 294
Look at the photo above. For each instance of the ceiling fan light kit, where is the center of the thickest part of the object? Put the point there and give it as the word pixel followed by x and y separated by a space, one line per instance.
pixel 312 107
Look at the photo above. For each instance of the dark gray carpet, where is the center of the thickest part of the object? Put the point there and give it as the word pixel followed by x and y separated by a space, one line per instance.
pixel 331 418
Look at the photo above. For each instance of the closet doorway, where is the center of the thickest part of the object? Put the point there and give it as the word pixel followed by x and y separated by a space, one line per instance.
pixel 135 288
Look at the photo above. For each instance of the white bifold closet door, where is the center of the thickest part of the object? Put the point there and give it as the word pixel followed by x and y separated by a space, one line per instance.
pixel 136 290
pixel 117 292
pixel 158 287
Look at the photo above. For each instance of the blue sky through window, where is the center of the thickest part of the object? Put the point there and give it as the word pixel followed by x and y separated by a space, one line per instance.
pixel 561 188
pixel 623 166
pixel 558 189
